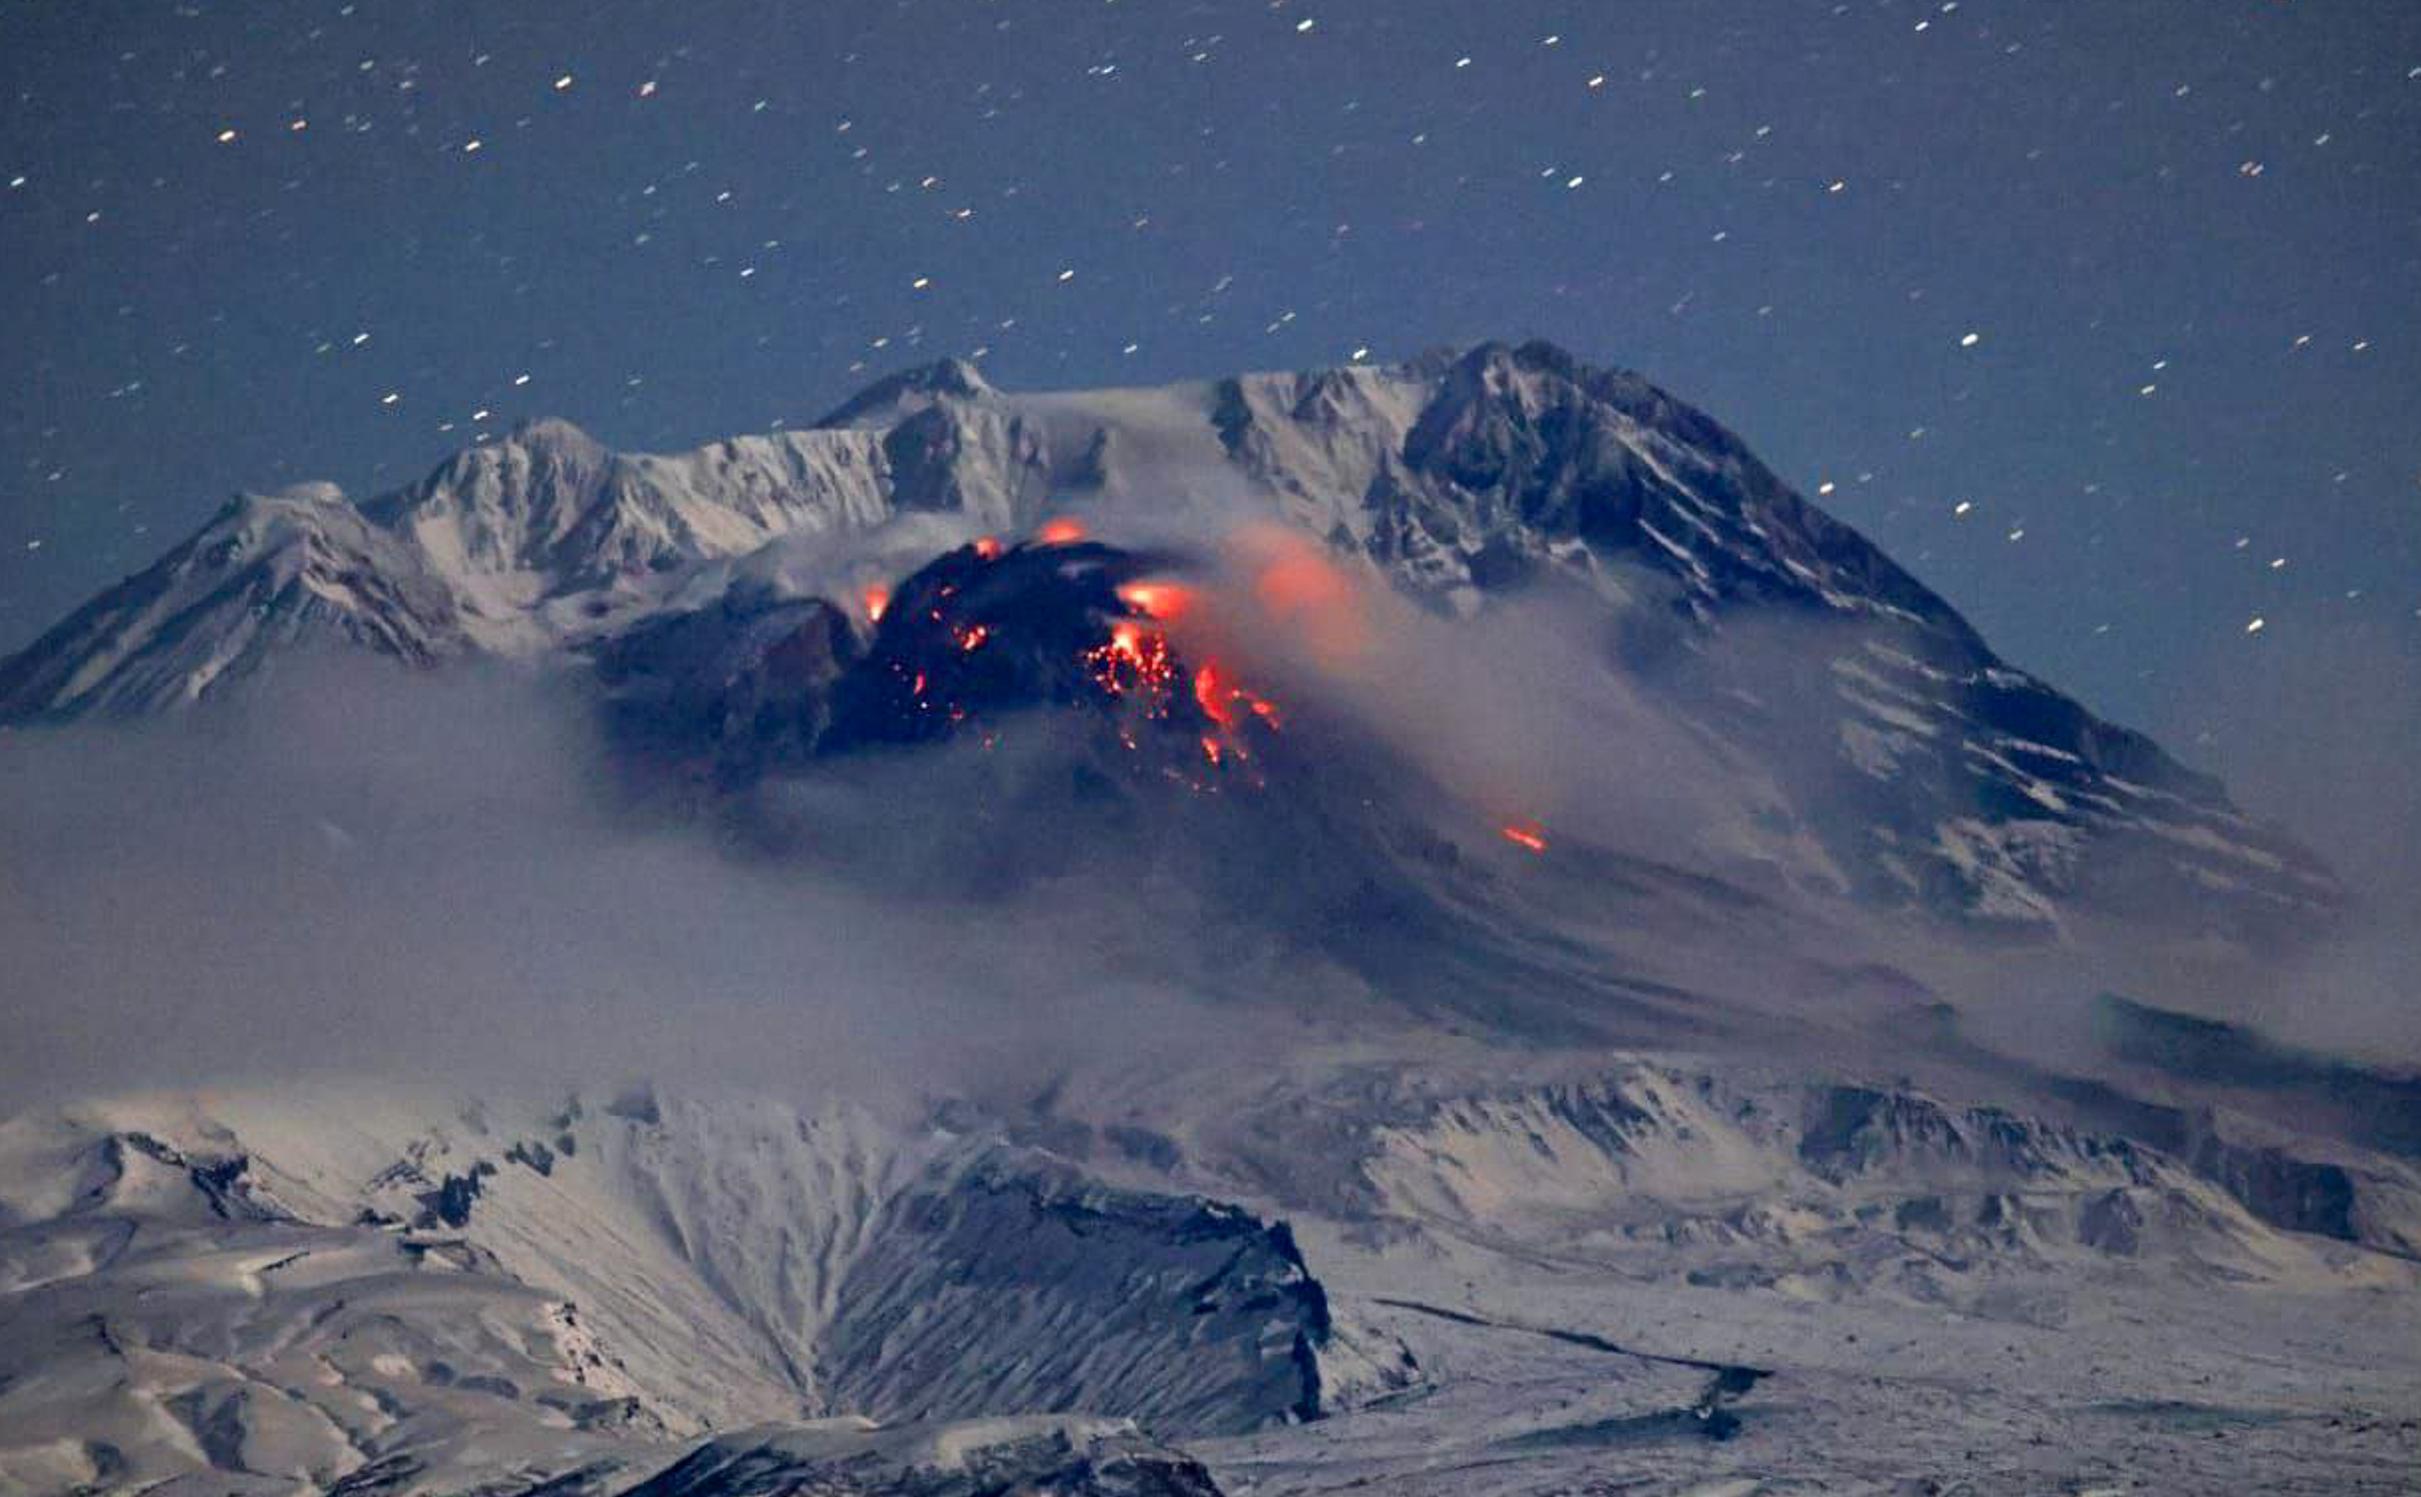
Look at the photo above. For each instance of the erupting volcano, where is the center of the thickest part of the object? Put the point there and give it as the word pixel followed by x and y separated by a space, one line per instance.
pixel 1470 810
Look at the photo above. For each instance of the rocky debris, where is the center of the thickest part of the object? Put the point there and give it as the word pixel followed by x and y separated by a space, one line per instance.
pixel 850 1458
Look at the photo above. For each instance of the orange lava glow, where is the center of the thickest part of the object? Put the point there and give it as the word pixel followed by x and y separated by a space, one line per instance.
pixel 1296 576
pixel 1138 664
pixel 1224 702
pixel 1218 706
pixel 1527 834
pixel 1060 532
pixel 1297 583
pixel 1156 600
pixel 877 599
pixel 987 547
pixel 1135 660
pixel 972 637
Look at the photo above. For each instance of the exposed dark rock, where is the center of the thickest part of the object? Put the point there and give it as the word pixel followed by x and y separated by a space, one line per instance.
pixel 450 1203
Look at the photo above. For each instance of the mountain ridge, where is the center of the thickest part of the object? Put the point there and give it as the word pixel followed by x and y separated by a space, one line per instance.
pixel 1938 773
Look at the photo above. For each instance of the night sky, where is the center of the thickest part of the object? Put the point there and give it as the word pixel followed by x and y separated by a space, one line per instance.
pixel 2105 318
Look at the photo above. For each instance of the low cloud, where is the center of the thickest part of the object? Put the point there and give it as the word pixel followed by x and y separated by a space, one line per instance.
pixel 357 870
pixel 362 872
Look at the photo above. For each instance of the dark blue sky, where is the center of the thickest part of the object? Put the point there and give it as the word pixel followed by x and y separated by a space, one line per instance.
pixel 2184 234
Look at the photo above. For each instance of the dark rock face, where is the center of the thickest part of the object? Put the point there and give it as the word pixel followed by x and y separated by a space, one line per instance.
pixel 2379 1108
pixel 749 678
pixel 2300 1195
pixel 756 685
pixel 974 635
pixel 1170 1288
pixel 2111 1222
pixel 450 1203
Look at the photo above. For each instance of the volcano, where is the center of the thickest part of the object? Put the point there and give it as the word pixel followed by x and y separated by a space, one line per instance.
pixel 1927 771
pixel 1601 975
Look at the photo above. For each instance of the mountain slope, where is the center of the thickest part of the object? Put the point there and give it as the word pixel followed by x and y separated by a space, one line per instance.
pixel 267 575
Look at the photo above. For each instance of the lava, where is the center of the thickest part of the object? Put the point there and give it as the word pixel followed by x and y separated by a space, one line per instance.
pixel 1527 834
pixel 1135 660
pixel 1219 709
pixel 1164 601
pixel 1124 636
pixel 1220 700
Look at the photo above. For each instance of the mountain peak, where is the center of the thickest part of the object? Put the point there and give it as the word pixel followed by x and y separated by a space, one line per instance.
pixel 912 390
pixel 552 433
pixel 310 491
pixel 1532 356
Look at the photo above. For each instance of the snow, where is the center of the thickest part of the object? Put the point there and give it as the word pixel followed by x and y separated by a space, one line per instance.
pixel 1521 1277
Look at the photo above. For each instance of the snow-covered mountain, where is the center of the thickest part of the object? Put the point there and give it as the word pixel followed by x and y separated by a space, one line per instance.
pixel 1928 771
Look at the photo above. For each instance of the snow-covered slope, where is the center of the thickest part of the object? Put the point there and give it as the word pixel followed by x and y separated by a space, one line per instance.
pixel 311 1286
pixel 268 575
pixel 1637 1259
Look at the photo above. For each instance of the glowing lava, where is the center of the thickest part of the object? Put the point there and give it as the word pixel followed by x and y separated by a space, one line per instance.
pixel 1060 532
pixel 877 598
pixel 1527 834
pixel 1135 661
pixel 1223 702
pixel 1156 600
pixel 987 548
pixel 1218 708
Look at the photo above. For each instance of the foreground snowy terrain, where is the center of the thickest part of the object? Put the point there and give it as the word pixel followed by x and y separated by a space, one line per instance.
pixel 1655 1276
pixel 1429 930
